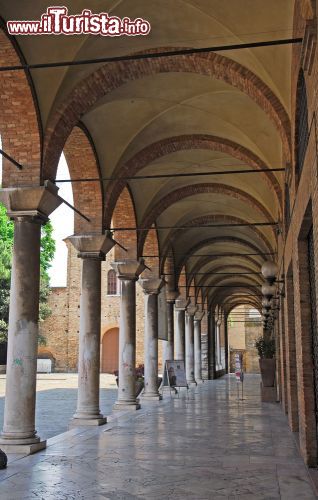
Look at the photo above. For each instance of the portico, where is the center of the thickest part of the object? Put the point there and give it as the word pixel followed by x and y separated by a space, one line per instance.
pixel 192 157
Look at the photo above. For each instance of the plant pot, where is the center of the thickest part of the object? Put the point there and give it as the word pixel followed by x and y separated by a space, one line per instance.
pixel 268 370
pixel 139 387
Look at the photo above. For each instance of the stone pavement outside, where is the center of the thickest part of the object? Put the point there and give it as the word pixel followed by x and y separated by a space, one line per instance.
pixel 56 400
pixel 210 446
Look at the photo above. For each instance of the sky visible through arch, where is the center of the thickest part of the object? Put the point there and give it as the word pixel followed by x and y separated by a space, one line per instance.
pixel 63 225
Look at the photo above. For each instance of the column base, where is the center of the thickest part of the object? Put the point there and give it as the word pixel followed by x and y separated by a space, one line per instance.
pixel 126 405
pixel 151 397
pixel 22 446
pixel 199 380
pixel 78 422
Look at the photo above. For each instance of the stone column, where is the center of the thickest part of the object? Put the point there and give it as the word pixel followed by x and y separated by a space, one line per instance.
pixel 168 345
pixel 29 208
pixel 197 346
pixel 92 249
pixel 127 272
pixel 179 338
pixel 217 344
pixel 151 288
pixel 212 345
pixel 189 343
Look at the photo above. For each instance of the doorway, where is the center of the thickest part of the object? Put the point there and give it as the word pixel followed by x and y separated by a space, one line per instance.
pixel 110 351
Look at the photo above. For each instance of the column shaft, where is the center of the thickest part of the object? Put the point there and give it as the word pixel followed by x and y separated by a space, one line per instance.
pixel 19 412
pixel 197 351
pixel 127 346
pixel 189 348
pixel 89 343
pixel 168 351
pixel 151 346
pixel 179 339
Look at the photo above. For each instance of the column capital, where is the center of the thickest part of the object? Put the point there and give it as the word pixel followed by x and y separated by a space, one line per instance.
pixel 129 269
pixel 181 304
pixel 92 245
pixel 36 202
pixel 151 286
pixel 191 310
pixel 199 315
pixel 171 296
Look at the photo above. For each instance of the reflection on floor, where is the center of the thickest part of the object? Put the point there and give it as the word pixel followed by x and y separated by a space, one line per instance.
pixel 210 446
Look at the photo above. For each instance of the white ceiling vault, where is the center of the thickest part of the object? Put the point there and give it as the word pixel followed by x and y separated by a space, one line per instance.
pixel 185 100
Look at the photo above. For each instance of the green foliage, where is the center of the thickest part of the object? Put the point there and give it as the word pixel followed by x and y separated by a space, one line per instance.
pixel 6 241
pixel 266 347
pixel 47 255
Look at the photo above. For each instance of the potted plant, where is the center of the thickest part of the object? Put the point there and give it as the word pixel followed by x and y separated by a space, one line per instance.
pixel 267 363
pixel 139 379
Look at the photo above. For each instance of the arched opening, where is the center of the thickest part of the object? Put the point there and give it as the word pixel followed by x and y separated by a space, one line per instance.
pixel 63 226
pixel 110 351
pixel 244 327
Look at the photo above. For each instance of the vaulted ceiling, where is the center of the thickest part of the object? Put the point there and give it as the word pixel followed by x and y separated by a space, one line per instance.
pixel 187 114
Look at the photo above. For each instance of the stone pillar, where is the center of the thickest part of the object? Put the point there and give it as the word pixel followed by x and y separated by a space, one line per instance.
pixel 189 343
pixel 92 249
pixel 197 346
pixel 212 345
pixel 151 288
pixel 127 272
pixel 217 344
pixel 29 208
pixel 168 345
pixel 179 339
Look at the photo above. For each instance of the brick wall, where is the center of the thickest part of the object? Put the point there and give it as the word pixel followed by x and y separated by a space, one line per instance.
pixel 61 329
pixel 304 207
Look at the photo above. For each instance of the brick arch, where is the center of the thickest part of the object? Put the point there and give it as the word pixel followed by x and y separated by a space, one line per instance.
pixel 237 299
pixel 223 280
pixel 182 281
pixel 167 268
pixel 192 190
pixel 213 218
pixel 220 269
pixel 111 76
pixel 88 196
pixel 170 145
pixel 199 297
pixel 124 215
pixel 151 247
pixel 20 126
pixel 209 241
pixel 221 295
pixel 191 290
pixel 206 260
pixel 255 303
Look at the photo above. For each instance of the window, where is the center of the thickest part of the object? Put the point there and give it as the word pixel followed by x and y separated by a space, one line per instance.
pixel 111 283
pixel 302 129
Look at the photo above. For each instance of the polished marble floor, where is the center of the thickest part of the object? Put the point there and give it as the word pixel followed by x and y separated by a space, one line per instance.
pixel 56 400
pixel 206 446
